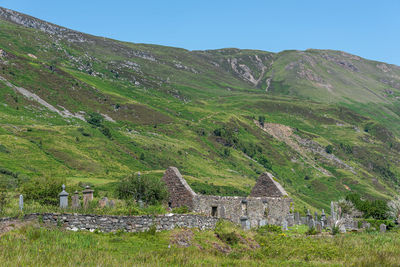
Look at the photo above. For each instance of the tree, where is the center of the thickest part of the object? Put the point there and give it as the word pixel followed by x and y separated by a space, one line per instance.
pixel 261 120
pixel 43 190
pixel 95 119
pixel 147 188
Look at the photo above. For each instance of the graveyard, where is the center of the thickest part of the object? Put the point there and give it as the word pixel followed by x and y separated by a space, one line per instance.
pixel 76 230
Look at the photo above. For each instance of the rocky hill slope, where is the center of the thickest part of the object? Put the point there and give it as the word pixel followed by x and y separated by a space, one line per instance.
pixel 92 109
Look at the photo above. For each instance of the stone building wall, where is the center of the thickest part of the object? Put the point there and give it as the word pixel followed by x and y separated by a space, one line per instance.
pixel 255 211
pixel 268 203
pixel 108 223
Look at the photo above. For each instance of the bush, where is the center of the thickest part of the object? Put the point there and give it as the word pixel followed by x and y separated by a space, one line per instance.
pixel 95 119
pixel 377 209
pixel 142 187
pixel 227 232
pixel 329 149
pixel 312 231
pixel 43 190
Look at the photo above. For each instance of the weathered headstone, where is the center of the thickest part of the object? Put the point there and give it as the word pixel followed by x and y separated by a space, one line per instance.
pixel 323 219
pixel 87 196
pixel 297 218
pixel 318 226
pixel 333 213
pixel 76 203
pixel 290 219
pixel 21 202
pixel 309 216
pixel 311 224
pixel 103 202
pixel 285 225
pixel 342 228
pixel 63 198
pixel 355 225
pixel 382 228
pixel 111 203
pixel 140 203
pixel 316 216
pixel 303 220
pixel 366 225
pixel 330 222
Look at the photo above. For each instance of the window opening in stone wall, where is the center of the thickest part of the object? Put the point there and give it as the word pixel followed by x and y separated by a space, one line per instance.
pixel 214 211
pixel 244 208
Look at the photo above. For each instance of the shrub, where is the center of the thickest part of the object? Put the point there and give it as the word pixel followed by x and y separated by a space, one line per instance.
pixel 312 231
pixel 329 149
pixel 94 118
pixel 227 232
pixel 377 209
pixel 43 190
pixel 142 187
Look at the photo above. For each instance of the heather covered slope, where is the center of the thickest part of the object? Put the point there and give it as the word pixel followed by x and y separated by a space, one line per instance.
pixel 329 120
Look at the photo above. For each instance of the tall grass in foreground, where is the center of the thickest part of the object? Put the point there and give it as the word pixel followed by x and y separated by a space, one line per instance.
pixel 33 246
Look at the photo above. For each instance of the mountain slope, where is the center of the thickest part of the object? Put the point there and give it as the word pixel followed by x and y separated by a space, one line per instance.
pixel 324 122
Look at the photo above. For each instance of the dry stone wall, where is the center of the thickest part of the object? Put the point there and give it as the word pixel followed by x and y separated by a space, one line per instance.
pixel 108 223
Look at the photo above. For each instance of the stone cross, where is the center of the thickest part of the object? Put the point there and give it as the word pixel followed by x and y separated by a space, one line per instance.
pixel 63 198
pixel 311 224
pixel 76 203
pixel 21 202
pixel 87 196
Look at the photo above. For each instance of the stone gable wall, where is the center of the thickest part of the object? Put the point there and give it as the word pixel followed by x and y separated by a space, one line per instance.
pixel 180 193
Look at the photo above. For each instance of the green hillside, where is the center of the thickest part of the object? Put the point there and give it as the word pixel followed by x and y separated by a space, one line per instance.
pixel 325 123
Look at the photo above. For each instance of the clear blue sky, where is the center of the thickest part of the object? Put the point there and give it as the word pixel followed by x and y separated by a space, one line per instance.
pixel 367 28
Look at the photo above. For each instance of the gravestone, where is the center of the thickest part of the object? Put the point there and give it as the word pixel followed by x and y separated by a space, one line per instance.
pixel 303 220
pixel 103 202
pixel 63 198
pixel 21 202
pixel 330 222
pixel 290 219
pixel 111 203
pixel 342 228
pixel 87 196
pixel 323 219
pixel 316 216
pixel 297 218
pixel 333 213
pixel 76 203
pixel 382 228
pixel 285 225
pixel 309 216
pixel 366 225
pixel 318 226
pixel 311 224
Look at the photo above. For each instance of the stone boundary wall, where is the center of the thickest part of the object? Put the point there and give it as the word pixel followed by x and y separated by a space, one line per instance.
pixel 109 223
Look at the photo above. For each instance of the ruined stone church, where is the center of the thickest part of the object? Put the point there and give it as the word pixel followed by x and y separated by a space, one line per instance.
pixel 268 202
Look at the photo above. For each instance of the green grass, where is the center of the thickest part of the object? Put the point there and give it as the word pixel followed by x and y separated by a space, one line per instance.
pixel 32 246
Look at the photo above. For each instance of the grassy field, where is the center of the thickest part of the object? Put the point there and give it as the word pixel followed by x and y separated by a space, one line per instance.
pixel 33 246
